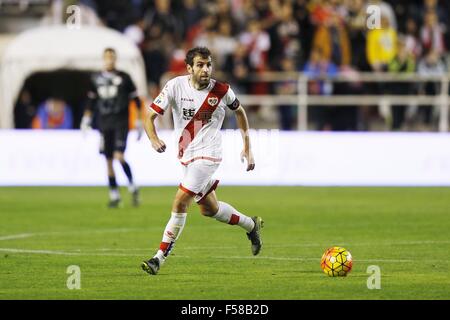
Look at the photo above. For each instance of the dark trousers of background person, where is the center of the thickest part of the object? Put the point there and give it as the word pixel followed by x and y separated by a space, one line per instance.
pixel 399 111
pixel 426 112
pixel 288 116
pixel 345 118
pixel 331 118
pixel 318 115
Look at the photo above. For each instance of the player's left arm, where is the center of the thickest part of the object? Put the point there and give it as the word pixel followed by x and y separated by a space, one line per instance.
pixel 242 123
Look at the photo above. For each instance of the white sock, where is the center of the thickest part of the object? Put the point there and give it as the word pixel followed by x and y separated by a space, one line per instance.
pixel 228 214
pixel 114 194
pixel 171 234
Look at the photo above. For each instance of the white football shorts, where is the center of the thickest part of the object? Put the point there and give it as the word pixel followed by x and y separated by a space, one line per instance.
pixel 197 180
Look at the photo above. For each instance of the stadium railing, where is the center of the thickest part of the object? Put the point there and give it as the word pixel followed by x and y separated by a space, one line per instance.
pixel 303 100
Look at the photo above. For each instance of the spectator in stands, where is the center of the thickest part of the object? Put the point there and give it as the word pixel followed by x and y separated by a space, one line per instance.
pixel 24 111
pixel 332 40
pixel 163 36
pixel 207 36
pixel 439 10
pixel 287 113
pixel 302 15
pixel 218 37
pixel 243 12
pixel 381 45
pixel 319 66
pixel 155 54
pixel 224 43
pixel 285 36
pixel 321 11
pixel 412 42
pixel 356 20
pixel 430 65
pixel 54 113
pixel 207 22
pixel 222 10
pixel 190 15
pixel 237 67
pixel 345 116
pixel 403 62
pixel 432 34
pixel 258 44
pixel 162 17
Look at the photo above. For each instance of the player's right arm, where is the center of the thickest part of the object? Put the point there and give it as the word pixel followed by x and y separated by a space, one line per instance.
pixel 86 120
pixel 150 130
pixel 158 107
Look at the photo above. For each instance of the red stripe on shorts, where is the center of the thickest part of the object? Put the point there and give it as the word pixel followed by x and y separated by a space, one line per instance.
pixel 213 187
pixel 189 192
pixel 201 158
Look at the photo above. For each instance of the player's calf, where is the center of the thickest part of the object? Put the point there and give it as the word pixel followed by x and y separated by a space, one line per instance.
pixel 227 214
pixel 171 233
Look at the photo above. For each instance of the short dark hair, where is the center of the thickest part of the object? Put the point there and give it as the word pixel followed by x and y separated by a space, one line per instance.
pixel 197 51
pixel 109 50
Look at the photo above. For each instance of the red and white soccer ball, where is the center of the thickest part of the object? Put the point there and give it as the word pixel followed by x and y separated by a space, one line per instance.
pixel 336 262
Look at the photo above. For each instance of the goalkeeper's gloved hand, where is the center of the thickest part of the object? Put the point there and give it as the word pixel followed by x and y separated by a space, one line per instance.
pixel 139 128
pixel 85 124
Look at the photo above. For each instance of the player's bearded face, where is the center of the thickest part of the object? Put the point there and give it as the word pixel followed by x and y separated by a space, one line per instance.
pixel 201 70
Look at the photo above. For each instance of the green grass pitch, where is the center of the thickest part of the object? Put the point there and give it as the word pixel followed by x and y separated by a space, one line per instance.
pixel 404 231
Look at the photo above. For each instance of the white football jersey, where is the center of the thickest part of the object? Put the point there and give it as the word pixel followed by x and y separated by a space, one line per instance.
pixel 197 115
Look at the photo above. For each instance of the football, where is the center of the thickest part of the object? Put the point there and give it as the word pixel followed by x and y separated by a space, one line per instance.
pixel 336 262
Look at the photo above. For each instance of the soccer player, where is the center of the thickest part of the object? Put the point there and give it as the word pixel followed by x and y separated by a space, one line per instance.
pixel 110 95
pixel 198 106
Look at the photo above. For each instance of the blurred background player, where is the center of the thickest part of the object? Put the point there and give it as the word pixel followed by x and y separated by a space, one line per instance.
pixel 109 98
pixel 198 106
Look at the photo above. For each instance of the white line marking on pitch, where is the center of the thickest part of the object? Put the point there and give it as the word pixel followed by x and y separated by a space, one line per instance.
pixel 65 233
pixel 63 253
pixel 55 233
pixel 17 236
pixel 53 252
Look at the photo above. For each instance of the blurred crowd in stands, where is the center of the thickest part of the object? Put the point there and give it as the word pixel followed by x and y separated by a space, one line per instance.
pixel 319 37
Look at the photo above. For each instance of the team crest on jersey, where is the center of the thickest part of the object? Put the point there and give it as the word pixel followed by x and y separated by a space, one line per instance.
pixel 212 101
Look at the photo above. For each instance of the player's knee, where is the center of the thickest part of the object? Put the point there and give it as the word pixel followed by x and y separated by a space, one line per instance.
pixel 109 163
pixel 180 207
pixel 119 156
pixel 208 210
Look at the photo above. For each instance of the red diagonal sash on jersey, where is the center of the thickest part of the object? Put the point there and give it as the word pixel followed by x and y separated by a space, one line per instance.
pixel 201 118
